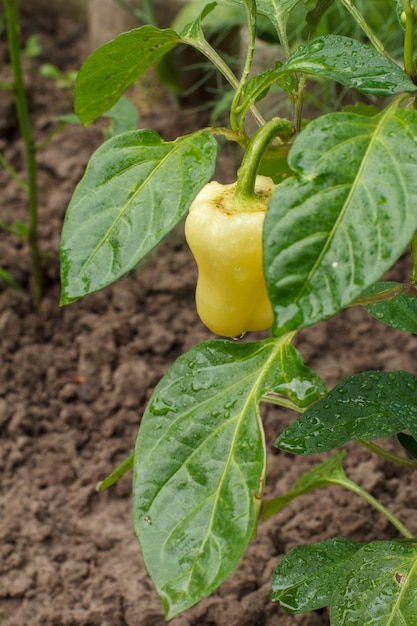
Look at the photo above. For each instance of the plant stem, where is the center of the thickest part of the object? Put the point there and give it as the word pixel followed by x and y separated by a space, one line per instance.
pixel 349 484
pixel 251 20
pixel 409 39
pixel 26 132
pixel 390 456
pixel 348 4
pixel 414 256
pixel 246 177
pixel 210 53
pixel 298 109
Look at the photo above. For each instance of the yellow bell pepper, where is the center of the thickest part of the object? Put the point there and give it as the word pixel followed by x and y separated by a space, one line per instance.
pixel 225 238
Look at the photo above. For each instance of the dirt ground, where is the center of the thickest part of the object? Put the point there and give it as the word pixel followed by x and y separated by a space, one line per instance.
pixel 74 382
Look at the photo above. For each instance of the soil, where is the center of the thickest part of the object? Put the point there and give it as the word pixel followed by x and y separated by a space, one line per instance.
pixel 74 382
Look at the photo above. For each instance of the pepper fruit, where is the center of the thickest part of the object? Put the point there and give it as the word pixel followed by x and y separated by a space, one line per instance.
pixel 225 237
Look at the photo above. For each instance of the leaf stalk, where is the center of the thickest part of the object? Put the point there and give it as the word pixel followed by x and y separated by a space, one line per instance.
pixel 389 456
pixel 409 39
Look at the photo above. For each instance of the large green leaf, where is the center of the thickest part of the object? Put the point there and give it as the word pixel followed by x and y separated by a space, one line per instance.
pixel 307 576
pixel 200 462
pixel 112 68
pixel 367 584
pixel 378 588
pixel 136 188
pixel 399 310
pixel 351 64
pixel 364 406
pixel 344 218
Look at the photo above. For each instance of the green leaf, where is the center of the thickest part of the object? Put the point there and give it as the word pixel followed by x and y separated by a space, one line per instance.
pixel 350 63
pixel 378 588
pixel 314 16
pixel 400 10
pixel 200 463
pixel 330 472
pixel 399 312
pixel 344 217
pixel 136 188
pixel 363 584
pixel 123 117
pixel 218 17
pixel 278 11
pixel 307 576
pixel 275 165
pixel 192 28
pixel 408 443
pixel 364 406
pixel 259 85
pixel 112 68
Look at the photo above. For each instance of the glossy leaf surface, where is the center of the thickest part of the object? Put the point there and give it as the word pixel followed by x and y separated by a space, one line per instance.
pixel 351 64
pixel 112 68
pixel 344 217
pixel 364 406
pixel 136 188
pixel 307 576
pixel 399 312
pixel 366 584
pixel 379 587
pixel 330 472
pixel 200 463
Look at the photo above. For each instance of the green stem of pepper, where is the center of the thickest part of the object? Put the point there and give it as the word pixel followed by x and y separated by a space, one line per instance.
pixel 409 38
pixel 354 488
pixel 246 176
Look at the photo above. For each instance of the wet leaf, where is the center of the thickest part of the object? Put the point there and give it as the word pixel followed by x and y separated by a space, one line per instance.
pixel 364 406
pixel 378 588
pixel 350 63
pixel 363 584
pixel 200 464
pixel 112 68
pixel 344 217
pixel 136 188
pixel 399 312
pixel 307 576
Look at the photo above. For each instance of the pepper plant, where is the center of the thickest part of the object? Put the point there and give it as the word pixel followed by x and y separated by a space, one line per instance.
pixel 318 213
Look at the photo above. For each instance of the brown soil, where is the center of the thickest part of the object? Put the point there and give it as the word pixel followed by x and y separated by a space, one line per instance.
pixel 74 382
